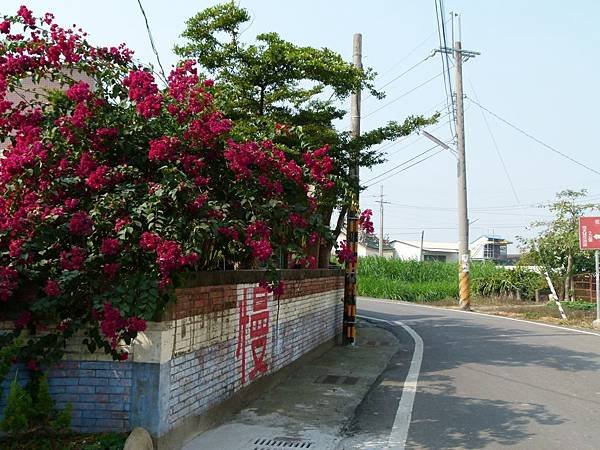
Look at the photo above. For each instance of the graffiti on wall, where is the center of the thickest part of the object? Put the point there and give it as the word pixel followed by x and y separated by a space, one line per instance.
pixel 253 307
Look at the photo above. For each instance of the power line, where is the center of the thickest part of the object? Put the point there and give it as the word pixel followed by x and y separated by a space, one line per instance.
pixel 408 55
pixel 415 141
pixel 452 210
pixel 439 13
pixel 162 71
pixel 487 125
pixel 403 95
pixel 402 74
pixel 520 130
pixel 408 167
pixel 401 164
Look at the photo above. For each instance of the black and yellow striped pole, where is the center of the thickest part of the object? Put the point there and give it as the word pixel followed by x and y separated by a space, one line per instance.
pixel 349 325
pixel 350 285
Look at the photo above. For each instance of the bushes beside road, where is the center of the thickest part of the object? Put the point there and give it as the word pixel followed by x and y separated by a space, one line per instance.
pixel 431 280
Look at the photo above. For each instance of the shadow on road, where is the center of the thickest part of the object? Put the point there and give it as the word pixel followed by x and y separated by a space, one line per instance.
pixel 447 417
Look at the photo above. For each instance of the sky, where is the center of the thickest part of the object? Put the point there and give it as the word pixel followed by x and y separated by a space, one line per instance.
pixel 537 70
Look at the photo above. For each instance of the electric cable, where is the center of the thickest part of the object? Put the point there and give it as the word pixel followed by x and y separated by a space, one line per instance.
pixel 530 136
pixel 403 95
pixel 489 129
pixel 162 71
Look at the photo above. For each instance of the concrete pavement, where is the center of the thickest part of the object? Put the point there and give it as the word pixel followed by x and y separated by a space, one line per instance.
pixel 314 406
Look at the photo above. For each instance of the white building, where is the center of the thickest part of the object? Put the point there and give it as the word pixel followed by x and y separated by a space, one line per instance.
pixel 492 248
pixel 431 251
pixel 368 245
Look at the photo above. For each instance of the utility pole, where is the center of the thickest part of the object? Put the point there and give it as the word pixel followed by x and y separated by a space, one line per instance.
pixel 381 223
pixel 349 324
pixel 463 216
pixel 461 55
pixel 381 202
pixel 421 248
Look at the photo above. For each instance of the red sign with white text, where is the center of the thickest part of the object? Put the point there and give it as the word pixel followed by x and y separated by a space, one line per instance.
pixel 589 233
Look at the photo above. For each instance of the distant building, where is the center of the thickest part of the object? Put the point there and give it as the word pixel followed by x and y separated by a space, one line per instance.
pixel 431 251
pixel 489 248
pixel 484 248
pixel 368 245
pixel 36 90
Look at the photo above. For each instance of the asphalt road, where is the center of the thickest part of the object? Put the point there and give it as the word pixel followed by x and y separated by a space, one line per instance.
pixel 484 382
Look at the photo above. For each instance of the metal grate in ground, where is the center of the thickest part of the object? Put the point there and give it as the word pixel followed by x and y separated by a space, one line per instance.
pixel 279 443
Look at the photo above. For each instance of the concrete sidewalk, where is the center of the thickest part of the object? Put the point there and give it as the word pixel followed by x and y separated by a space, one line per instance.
pixel 312 407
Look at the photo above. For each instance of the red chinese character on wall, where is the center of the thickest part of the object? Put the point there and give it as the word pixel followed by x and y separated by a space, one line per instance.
pixel 258 323
pixel 240 350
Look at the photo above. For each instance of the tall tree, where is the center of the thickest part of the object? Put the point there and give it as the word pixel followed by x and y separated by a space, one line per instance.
pixel 556 248
pixel 272 83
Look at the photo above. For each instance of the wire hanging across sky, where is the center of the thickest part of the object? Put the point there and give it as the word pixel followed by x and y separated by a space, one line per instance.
pixel 441 28
pixel 162 71
pixel 403 95
pixel 408 167
pixel 397 77
pixel 533 138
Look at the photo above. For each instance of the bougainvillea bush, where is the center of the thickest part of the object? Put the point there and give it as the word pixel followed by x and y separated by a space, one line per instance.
pixel 114 183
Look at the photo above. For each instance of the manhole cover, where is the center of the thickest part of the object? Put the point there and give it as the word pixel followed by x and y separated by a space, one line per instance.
pixel 280 442
pixel 337 379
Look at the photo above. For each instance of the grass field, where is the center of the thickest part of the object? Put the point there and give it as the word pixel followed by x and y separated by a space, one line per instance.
pixel 415 281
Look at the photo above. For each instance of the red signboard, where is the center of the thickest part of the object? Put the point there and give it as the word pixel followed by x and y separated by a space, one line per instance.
pixel 589 233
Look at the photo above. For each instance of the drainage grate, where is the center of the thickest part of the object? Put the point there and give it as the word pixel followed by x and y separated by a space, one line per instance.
pixel 337 379
pixel 280 442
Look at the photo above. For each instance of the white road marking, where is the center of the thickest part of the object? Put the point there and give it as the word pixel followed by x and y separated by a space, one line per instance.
pixel 402 303
pixel 399 432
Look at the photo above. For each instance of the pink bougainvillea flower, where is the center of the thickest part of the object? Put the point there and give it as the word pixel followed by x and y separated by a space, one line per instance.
pixel 365 222
pixel 81 224
pixel 345 253
pixel 149 241
pixel 73 259
pixel 52 289
pixel 110 246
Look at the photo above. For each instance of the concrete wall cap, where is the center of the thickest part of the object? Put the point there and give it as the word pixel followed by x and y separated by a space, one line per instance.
pixel 139 439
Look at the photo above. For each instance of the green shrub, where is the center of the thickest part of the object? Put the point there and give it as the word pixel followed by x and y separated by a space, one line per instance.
pixel 579 305
pixel 18 410
pixel 25 412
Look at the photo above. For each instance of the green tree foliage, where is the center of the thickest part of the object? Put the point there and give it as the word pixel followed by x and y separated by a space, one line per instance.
pixel 556 247
pixel 275 83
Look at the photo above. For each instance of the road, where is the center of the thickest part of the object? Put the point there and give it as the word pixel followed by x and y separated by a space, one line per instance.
pixel 483 382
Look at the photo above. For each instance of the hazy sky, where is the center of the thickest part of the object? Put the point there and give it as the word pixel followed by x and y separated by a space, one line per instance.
pixel 537 69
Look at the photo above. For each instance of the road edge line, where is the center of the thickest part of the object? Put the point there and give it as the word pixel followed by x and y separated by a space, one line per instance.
pixel 401 425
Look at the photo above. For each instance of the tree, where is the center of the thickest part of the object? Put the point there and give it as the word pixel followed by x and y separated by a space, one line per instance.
pixel 111 187
pixel 556 248
pixel 274 83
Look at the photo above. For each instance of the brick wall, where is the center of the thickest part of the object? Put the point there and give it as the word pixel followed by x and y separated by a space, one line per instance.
pixel 223 333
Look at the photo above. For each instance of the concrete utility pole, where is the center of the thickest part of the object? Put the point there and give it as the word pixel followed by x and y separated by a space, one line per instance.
pixel 381 202
pixel 463 217
pixel 381 223
pixel 349 324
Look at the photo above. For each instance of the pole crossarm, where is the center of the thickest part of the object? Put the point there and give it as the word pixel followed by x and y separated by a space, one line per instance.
pixel 466 54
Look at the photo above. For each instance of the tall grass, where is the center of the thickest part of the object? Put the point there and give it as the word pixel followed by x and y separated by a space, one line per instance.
pixel 413 280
